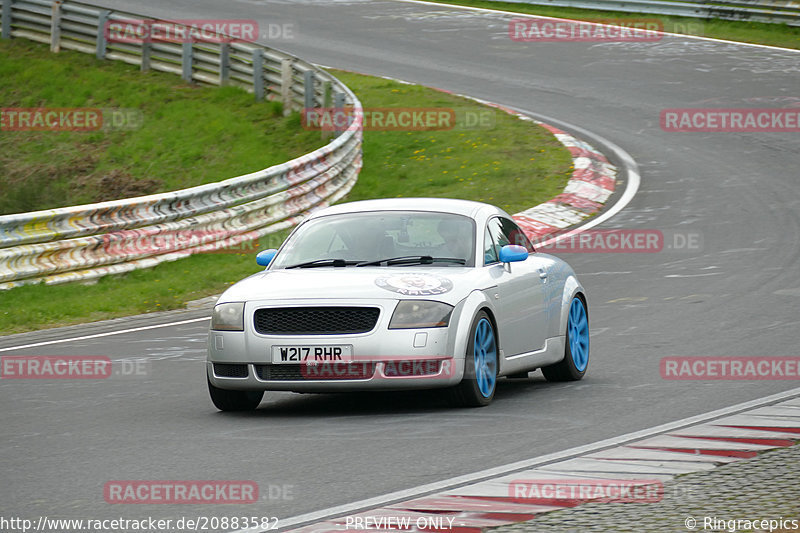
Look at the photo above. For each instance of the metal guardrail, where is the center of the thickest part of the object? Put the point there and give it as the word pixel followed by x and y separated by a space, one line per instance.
pixel 89 241
pixel 771 11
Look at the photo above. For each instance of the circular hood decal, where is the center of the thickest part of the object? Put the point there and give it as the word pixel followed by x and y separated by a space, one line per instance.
pixel 415 284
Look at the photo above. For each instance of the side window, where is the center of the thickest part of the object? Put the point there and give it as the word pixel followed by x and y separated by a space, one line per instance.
pixel 514 235
pixel 494 240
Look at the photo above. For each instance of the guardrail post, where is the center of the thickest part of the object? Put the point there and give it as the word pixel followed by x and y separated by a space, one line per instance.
pixel 147 47
pixel 6 28
pixel 55 27
pixel 187 57
pixel 287 79
pixel 224 63
pixel 327 97
pixel 102 44
pixel 258 73
pixel 309 90
pixel 327 93
pixel 338 107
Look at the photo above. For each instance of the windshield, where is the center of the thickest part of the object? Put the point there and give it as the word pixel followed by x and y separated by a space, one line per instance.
pixel 436 239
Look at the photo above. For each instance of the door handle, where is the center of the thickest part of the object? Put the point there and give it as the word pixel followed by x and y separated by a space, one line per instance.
pixel 542 273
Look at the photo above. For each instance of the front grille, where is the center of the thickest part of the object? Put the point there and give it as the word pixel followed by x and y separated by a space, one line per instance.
pixel 315 320
pixel 230 371
pixel 321 371
pixel 279 372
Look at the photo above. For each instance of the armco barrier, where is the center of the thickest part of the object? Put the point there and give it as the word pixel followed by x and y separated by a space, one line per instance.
pixel 89 241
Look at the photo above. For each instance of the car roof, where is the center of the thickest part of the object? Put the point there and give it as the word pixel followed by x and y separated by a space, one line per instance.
pixel 443 205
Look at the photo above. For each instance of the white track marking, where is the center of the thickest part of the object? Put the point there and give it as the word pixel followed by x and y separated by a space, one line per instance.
pixel 438 486
pixel 106 334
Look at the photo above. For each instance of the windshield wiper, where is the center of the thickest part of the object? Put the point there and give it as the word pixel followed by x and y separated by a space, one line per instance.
pixel 413 260
pixel 324 263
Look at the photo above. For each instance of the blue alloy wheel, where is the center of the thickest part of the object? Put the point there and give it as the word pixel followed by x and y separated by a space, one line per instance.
pixel 576 351
pixel 485 355
pixel 481 365
pixel 578 327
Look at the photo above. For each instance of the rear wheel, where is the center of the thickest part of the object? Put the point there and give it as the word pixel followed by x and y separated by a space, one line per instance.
pixel 480 365
pixel 576 356
pixel 234 400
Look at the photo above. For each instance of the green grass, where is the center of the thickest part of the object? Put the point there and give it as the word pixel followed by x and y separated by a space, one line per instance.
pixel 781 35
pixel 509 162
pixel 189 135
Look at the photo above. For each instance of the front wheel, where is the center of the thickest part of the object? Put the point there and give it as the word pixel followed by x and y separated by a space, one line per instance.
pixel 480 365
pixel 576 356
pixel 234 400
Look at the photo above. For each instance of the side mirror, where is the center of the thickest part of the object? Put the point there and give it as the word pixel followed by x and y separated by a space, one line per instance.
pixel 512 253
pixel 264 257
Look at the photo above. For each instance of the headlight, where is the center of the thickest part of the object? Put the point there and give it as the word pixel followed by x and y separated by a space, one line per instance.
pixel 228 317
pixel 420 314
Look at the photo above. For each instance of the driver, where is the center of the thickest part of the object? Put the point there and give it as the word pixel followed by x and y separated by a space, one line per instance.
pixel 456 240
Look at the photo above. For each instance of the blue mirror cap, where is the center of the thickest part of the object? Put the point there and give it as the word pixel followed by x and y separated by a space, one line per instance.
pixel 512 253
pixel 264 257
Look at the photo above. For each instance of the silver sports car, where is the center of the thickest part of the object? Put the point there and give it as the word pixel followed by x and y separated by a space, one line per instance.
pixel 398 294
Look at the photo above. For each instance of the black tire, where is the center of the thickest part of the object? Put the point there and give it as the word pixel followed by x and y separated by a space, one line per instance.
pixel 566 369
pixel 468 393
pixel 234 400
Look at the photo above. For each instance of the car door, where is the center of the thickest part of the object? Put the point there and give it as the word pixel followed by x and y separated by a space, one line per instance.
pixel 519 295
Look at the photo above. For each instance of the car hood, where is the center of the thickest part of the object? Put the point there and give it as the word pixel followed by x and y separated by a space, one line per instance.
pixel 445 284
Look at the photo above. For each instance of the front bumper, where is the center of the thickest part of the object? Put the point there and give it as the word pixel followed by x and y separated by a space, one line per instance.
pixel 387 359
pixel 336 378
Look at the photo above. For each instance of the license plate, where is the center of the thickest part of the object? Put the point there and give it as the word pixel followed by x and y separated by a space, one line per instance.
pixel 302 354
